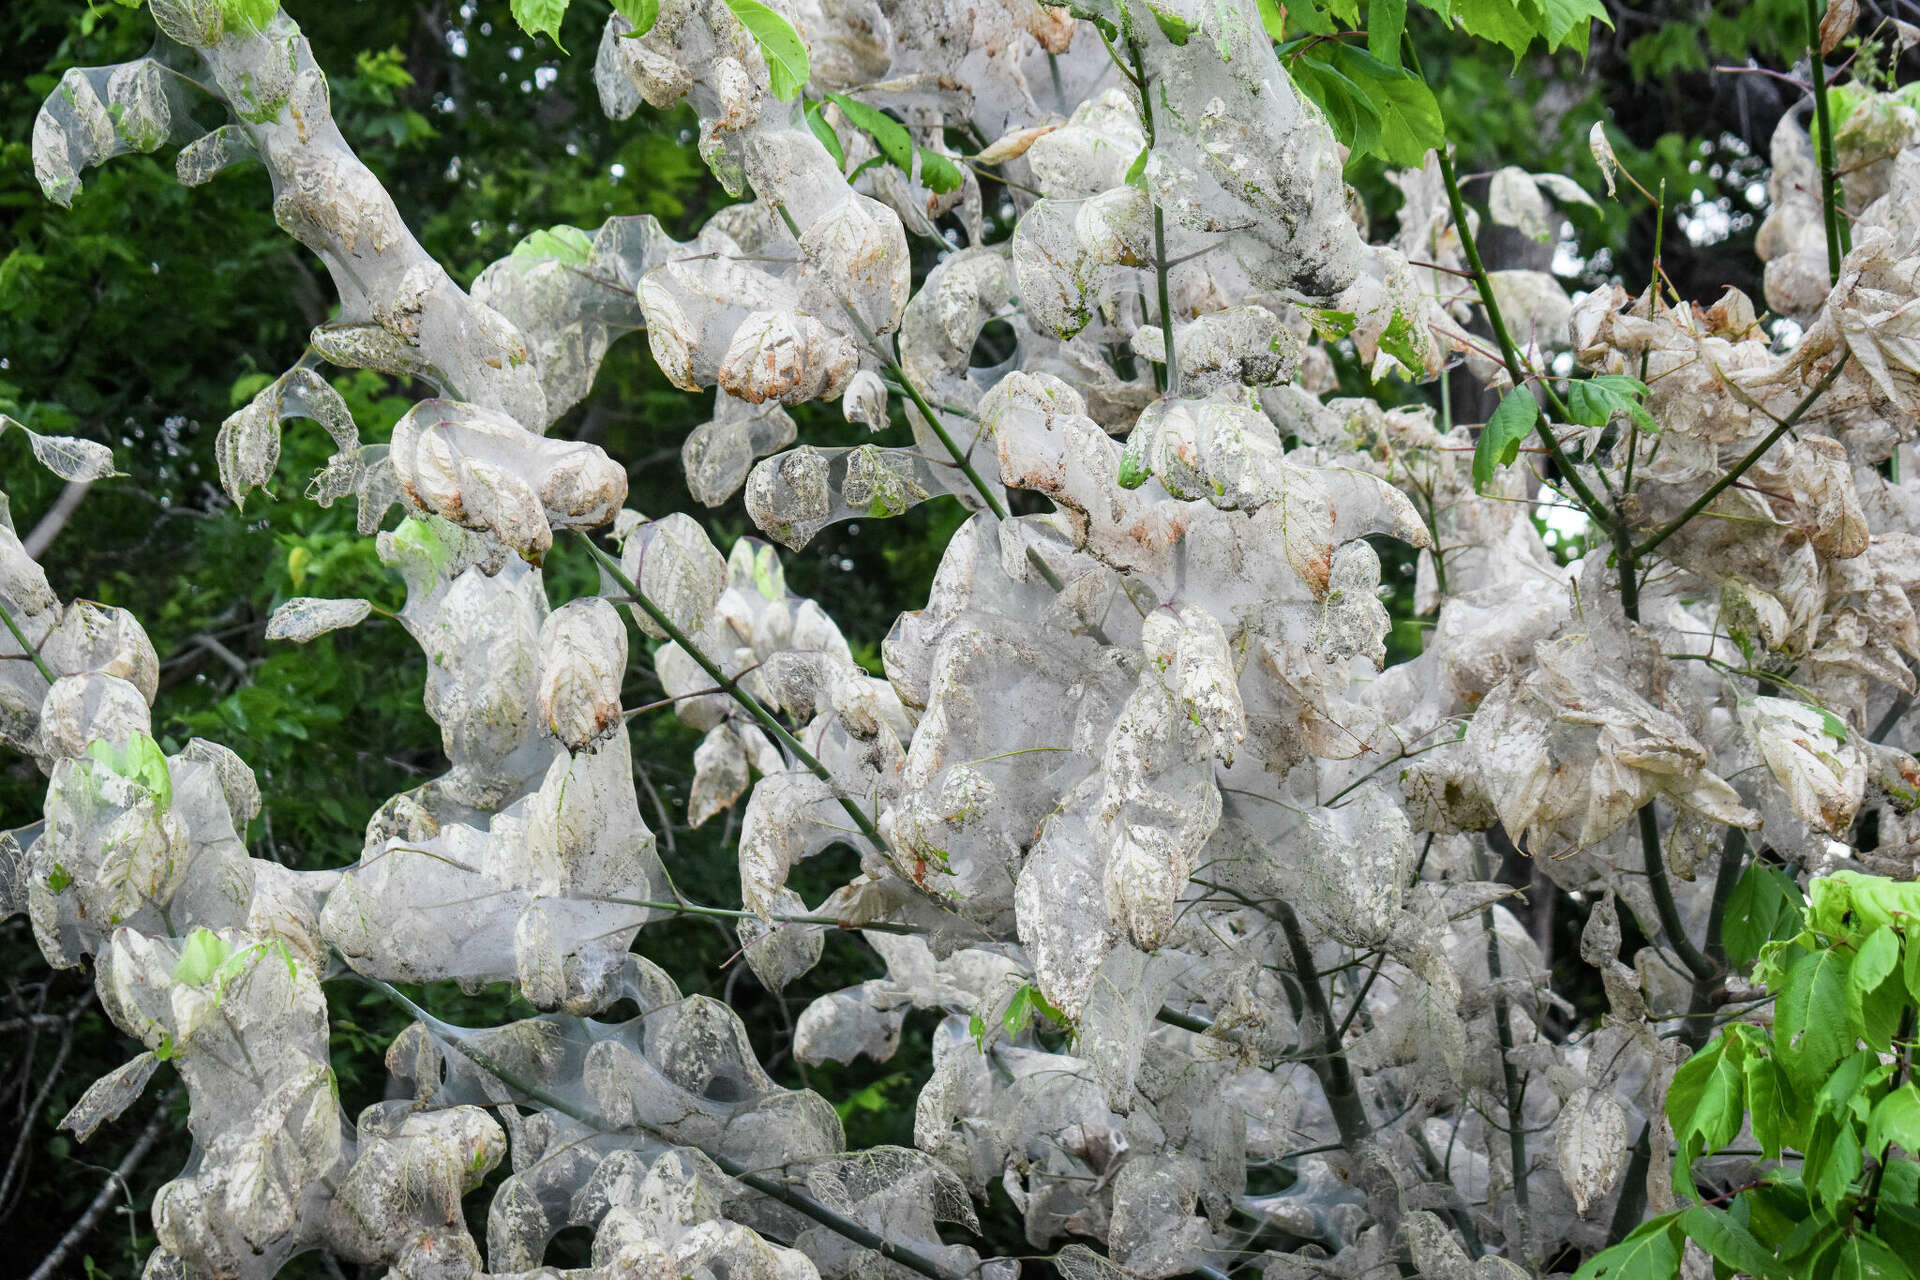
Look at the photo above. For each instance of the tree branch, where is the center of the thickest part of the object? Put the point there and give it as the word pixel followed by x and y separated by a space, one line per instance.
pixel 747 701
pixel 1740 468
pixel 773 1189
pixel 157 1124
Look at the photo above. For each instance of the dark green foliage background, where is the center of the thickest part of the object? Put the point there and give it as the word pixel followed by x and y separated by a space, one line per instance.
pixel 146 313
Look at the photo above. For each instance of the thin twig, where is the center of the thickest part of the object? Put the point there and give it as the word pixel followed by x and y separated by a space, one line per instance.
pixel 1839 234
pixel 800 1201
pixel 1740 468
pixel 26 646
pixel 1514 1086
pixel 1483 284
pixel 733 690
pixel 117 1181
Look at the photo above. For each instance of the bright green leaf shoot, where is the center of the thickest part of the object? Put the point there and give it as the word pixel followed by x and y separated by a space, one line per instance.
pixel 541 17
pixel 779 44
pixel 205 951
pixel 641 13
pixel 1499 442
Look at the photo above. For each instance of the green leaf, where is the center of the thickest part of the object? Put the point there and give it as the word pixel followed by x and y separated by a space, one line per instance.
pixel 1896 1120
pixel 565 244
pixel 1911 970
pixel 779 44
pixel 1501 21
pixel 1397 341
pixel 205 951
pixel 166 1049
pixel 1019 1010
pixel 1274 20
pixel 141 761
pixel 1410 124
pixel 1706 1103
pixel 1898 1224
pixel 420 537
pixel 1832 1160
pixel 1133 468
pixel 828 138
pixel 58 879
pixel 1901 1182
pixel 768 577
pixel 1843 1092
pixel 1810 1017
pixel 1569 22
pixel 1864 1258
pixel 538 17
pixel 1651 1253
pixel 937 173
pixel 1331 325
pixel 1836 727
pixel 1172 25
pixel 1848 904
pixel 256 14
pixel 1349 114
pixel 1499 442
pixel 1559 24
pixel 1767 1109
pixel 1026 1002
pixel 1875 1004
pixel 1594 402
pixel 1765 905
pixel 1386 19
pixel 641 13
pixel 1810 1237
pixel 977 1028
pixel 1137 171
pixel 1878 956
pixel 1731 1243
pixel 888 134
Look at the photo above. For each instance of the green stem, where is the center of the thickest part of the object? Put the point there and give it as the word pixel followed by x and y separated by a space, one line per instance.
pixel 1330 1060
pixel 1167 1014
pixel 728 913
pixel 1694 1029
pixel 1509 353
pixel 1169 378
pixel 899 374
pixel 733 690
pixel 1702 969
pixel 799 1201
pixel 1839 233
pixel 1871 1205
pixel 1514 1086
pixel 1740 468
pixel 26 646
pixel 1336 1077
pixel 1373 974
pixel 952 446
pixel 1653 300
pixel 1457 1210
pixel 1733 860
pixel 1185 1021
pixel 988 494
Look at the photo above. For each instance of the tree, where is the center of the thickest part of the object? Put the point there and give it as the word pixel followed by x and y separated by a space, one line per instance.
pixel 1211 901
